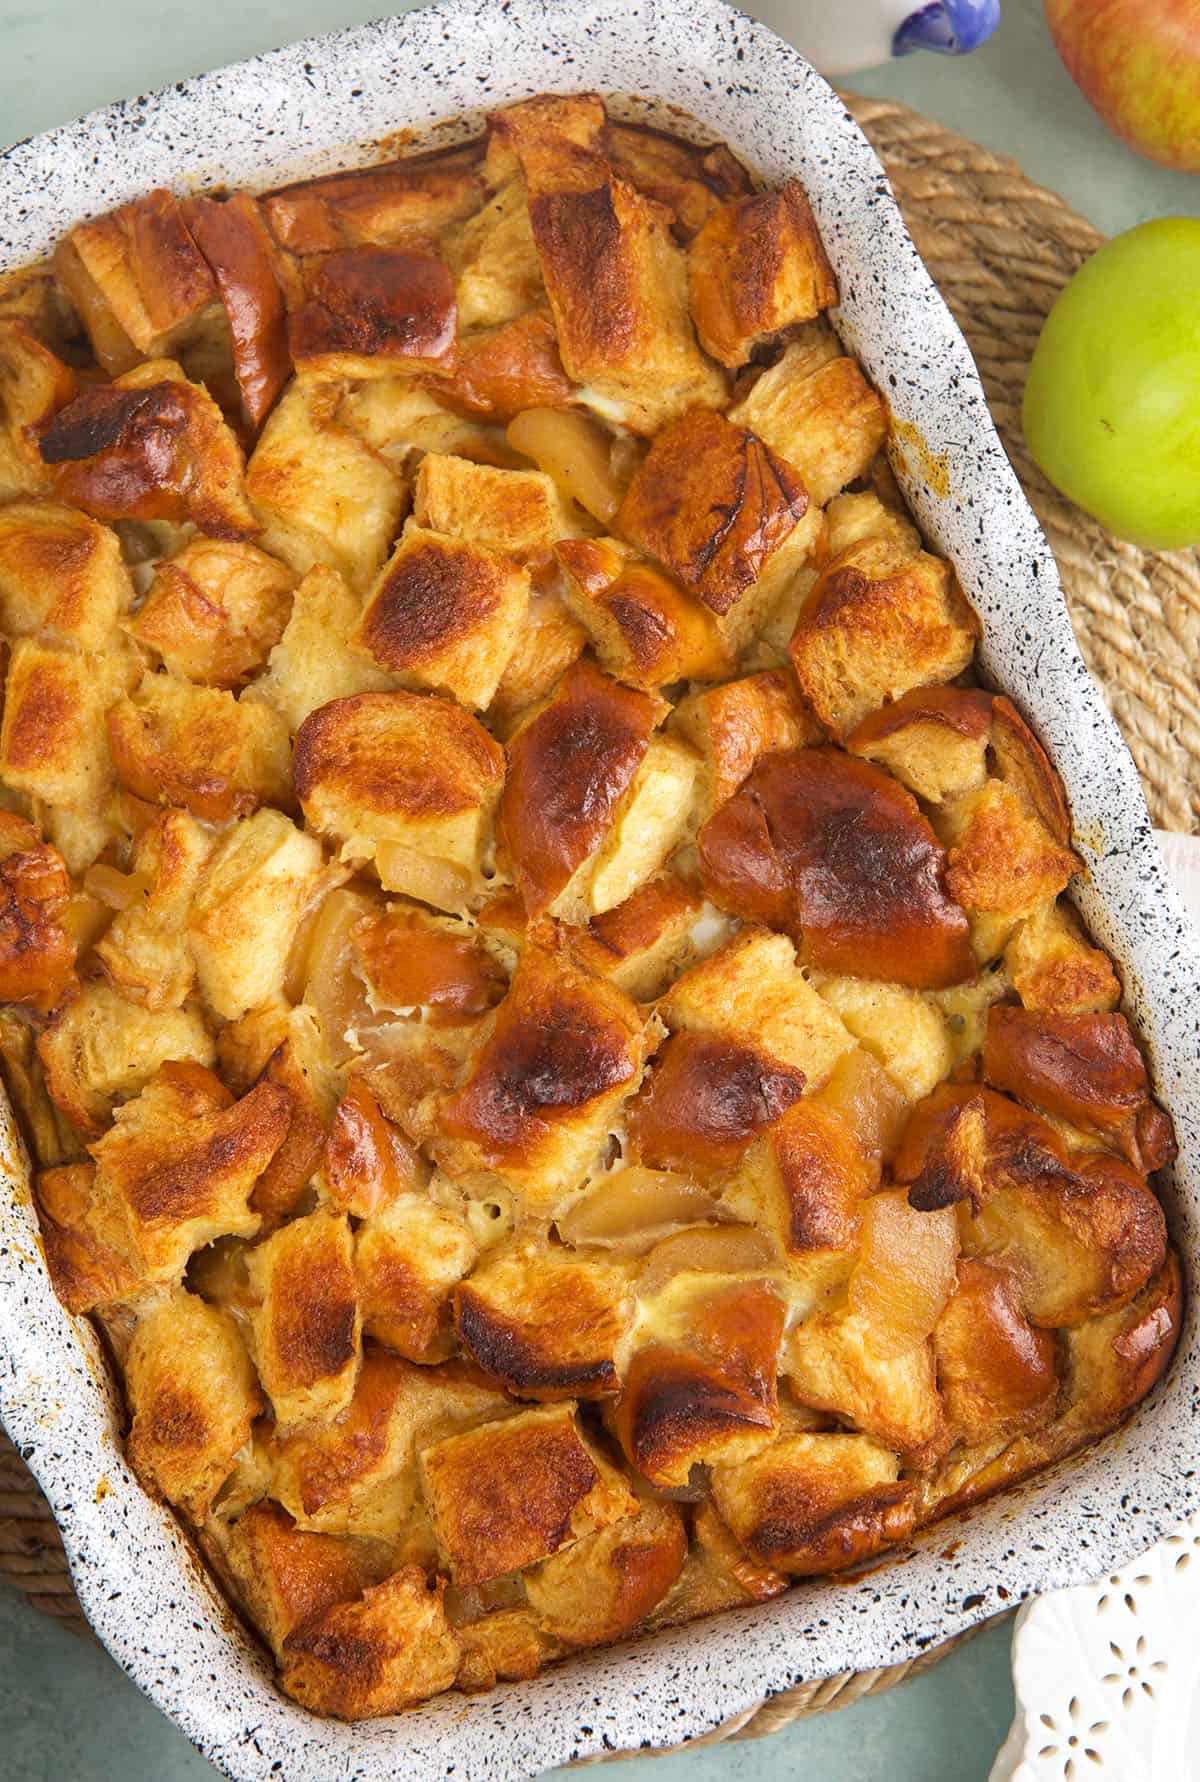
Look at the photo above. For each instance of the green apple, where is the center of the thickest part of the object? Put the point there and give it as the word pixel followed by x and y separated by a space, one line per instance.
pixel 1112 401
pixel 1138 61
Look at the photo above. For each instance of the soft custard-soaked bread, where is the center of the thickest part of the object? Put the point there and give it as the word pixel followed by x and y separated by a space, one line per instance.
pixel 539 987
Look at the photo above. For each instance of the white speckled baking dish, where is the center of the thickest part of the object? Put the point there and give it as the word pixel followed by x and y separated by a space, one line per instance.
pixel 310 108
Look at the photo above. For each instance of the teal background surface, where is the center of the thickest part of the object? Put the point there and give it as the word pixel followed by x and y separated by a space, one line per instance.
pixel 67 1714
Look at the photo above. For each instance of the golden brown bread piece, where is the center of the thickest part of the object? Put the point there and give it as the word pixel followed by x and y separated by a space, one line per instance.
pixel 235 241
pixel 99 1049
pixel 701 1385
pixel 53 743
pixel 409 782
pixel 444 614
pixel 137 278
pixel 374 312
pixel 408 1258
pixel 287 1574
pixel 835 1364
pixel 406 202
pixel 757 267
pixel 608 1582
pixel 1054 969
pixel 306 1327
pixel 34 385
pixel 37 955
pixel 145 949
pixel 817 411
pixel 1085 1068
pixel 61 573
pixel 312 664
pixel 880 620
pixel 568 768
pixel 504 370
pixel 688 179
pixel 378 1655
pixel 641 943
pixel 933 739
pixel 150 446
pixel 834 851
pixel 367 1161
pixel 215 610
pixel 173 742
pixel 814 1503
pixel 718 508
pixel 544 1324
pixel 561 1053
pixel 412 960
pixel 735 724
pixel 996 1372
pixel 517 513
pixel 509 1494
pixel 645 630
pixel 193 1398
pixel 705 1098
pixel 298 1064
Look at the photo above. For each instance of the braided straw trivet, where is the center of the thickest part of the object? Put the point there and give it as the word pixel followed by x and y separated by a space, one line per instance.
pixel 1001 249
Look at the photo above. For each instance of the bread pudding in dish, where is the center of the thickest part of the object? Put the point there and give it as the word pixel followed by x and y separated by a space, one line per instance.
pixel 538 984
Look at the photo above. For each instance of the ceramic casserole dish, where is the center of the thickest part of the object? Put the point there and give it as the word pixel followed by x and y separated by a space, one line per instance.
pixel 320 105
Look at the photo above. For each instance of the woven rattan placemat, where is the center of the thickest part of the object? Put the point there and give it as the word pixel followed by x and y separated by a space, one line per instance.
pixel 1001 249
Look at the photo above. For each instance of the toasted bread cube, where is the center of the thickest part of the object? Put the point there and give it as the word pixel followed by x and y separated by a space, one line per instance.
pixel 903 1029
pixel 833 1364
pixel 688 179
pixel 549 642
pixel 246 268
pixel 321 494
pixel 870 514
pixel 379 1655
pixel 704 1100
pixel 61 574
pixel 1113 1361
pixel 214 611
pixel 151 446
pixel 644 628
pixel 34 385
pixel 570 766
pixel 285 1575
pixel 408 782
pixel 499 275
pixel 85 1239
pixel 757 267
pixel 307 1330
pixel 700 1387
pixel 879 622
pixel 1079 1242
pixel 555 1062
pixel 260 877
pixel 836 852
pixel 444 614
pixel 1002 860
pixel 137 279
pixel 178 1167
pixel 358 1475
pixel 504 370
pixel 100 1049
pixel 193 1396
pixel 52 741
pixel 401 417
pixel 312 663
pixel 37 955
pixel 641 943
pixel 803 1181
pixel 996 1373
pixel 824 419
pixel 733 725
pixel 720 510
pixel 374 312
pixel 549 121
pixel 367 1161
pixel 408 1259
pixel 617 285
pixel 509 1494
pixel 719 1573
pixel 298 1062
pixel 410 959
pixel 517 512
pixel 145 950
pixel 543 1324
pixel 1053 968
pixel 934 740
pixel 650 821
pixel 753 991
pixel 815 1503
pixel 608 1582
pixel 504 1645
pixel 173 742
pixel 407 202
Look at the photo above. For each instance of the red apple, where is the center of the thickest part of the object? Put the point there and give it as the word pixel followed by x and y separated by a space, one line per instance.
pixel 1138 61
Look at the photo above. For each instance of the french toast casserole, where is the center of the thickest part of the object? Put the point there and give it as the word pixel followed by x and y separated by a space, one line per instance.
pixel 536 980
